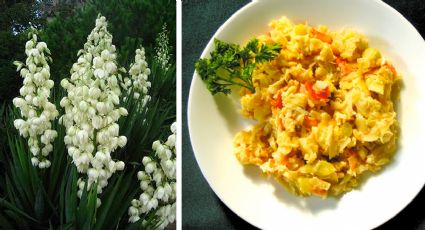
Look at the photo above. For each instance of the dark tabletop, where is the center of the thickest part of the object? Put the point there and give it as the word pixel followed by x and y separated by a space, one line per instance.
pixel 202 209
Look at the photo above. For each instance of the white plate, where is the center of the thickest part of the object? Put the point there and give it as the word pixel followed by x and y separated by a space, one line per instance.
pixel 213 121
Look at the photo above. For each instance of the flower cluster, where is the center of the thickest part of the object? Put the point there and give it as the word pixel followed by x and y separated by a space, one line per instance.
pixel 37 112
pixel 92 109
pixel 162 49
pixel 139 73
pixel 158 183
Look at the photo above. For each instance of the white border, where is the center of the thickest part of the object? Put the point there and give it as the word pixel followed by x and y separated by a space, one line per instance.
pixel 179 114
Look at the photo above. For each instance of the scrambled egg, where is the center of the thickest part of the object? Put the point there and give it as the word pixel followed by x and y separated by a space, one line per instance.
pixel 324 108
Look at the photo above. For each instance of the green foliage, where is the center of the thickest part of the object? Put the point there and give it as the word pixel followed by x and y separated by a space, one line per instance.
pixel 230 64
pixel 131 22
pixel 116 199
pixel 3 138
pixel 31 198
pixel 16 15
pixel 11 48
pixel 23 194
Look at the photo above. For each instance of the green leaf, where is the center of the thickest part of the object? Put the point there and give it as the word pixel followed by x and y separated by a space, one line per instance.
pixel 86 210
pixel 230 65
pixel 70 197
pixel 117 201
pixel 39 204
pixel 107 205
pixel 81 213
pixel 92 207
pixel 5 204
pixel 24 171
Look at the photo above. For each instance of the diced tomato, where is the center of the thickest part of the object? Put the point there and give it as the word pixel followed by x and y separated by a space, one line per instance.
pixel 321 36
pixel 310 121
pixel 277 103
pixel 345 68
pixel 340 60
pixel 309 87
pixel 317 94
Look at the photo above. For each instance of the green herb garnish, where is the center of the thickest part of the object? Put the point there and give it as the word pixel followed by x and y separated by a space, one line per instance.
pixel 230 65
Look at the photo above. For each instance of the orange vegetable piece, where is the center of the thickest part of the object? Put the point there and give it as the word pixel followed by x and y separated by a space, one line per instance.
pixel 320 192
pixel 310 121
pixel 317 94
pixel 340 61
pixel 321 36
pixel 284 160
pixel 352 161
pixel 277 103
pixel 345 68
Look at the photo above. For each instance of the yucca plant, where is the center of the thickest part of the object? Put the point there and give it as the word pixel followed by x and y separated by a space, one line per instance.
pixel 81 185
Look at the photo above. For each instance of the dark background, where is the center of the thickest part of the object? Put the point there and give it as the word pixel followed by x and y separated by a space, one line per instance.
pixel 202 209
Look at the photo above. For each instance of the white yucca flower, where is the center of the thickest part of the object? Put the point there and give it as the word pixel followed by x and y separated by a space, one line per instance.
pixel 36 110
pixel 139 72
pixel 162 48
pixel 92 109
pixel 158 183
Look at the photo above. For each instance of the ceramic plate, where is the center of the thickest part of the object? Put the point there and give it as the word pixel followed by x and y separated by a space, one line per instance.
pixel 214 120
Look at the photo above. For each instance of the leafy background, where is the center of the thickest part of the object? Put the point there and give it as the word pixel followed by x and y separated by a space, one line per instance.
pixel 46 199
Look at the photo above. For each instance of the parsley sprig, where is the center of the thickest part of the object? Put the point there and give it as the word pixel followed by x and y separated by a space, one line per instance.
pixel 230 64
